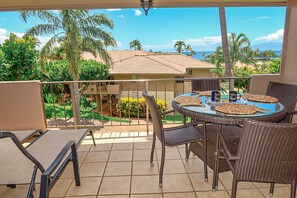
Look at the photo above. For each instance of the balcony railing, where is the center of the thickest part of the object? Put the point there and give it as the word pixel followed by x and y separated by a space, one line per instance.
pixel 99 100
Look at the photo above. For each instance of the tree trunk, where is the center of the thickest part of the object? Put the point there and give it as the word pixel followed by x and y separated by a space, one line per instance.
pixel 226 50
pixel 75 103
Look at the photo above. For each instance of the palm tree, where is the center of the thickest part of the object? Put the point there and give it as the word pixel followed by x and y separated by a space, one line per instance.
pixel 78 31
pixel 226 51
pixel 189 49
pixel 179 46
pixel 135 44
pixel 239 50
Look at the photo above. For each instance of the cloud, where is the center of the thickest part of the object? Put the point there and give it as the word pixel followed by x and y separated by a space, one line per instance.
pixel 256 19
pixel 42 41
pixel 137 12
pixel 55 11
pixel 119 44
pixel 113 10
pixel 3 35
pixel 121 16
pixel 209 43
pixel 272 37
pixel 204 41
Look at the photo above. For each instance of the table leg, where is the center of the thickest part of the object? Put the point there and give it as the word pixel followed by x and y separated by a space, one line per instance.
pixel 217 160
pixel 205 152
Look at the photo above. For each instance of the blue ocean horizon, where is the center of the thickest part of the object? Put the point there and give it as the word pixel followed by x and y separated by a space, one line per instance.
pixel 202 55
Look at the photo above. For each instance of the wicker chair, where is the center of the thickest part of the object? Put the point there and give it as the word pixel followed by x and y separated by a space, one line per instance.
pixel 170 137
pixel 267 152
pixel 205 85
pixel 286 94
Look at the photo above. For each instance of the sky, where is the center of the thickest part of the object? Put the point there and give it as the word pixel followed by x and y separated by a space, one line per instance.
pixel 158 31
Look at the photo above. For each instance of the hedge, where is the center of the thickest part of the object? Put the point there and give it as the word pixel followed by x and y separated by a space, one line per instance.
pixel 134 105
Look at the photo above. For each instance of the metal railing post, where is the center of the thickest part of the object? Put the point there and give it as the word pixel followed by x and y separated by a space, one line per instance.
pixel 73 101
pixel 147 110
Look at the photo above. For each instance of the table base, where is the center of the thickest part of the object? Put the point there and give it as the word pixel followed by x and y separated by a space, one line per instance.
pixel 198 149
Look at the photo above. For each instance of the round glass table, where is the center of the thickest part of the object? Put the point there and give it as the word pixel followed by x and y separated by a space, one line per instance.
pixel 272 112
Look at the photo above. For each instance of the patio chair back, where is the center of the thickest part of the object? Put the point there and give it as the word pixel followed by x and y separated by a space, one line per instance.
pixel 21 105
pixel 155 114
pixel 205 85
pixel 267 152
pixel 16 163
pixel 286 94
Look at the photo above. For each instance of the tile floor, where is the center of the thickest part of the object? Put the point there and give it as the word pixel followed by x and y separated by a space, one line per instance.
pixel 118 167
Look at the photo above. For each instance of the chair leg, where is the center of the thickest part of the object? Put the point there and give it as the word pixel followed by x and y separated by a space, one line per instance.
pixel 293 189
pixel 153 150
pixel 162 166
pixel 205 152
pixel 271 189
pixel 187 151
pixel 93 138
pixel 75 165
pixel 234 188
pixel 44 188
pixel 32 183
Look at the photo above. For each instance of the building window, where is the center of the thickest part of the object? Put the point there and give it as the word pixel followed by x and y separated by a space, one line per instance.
pixel 190 72
pixel 133 77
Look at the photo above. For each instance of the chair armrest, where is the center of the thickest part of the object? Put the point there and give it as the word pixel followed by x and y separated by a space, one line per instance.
pixel 167 112
pixel 70 145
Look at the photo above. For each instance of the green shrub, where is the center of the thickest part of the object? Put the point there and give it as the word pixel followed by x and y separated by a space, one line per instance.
pixel 19 57
pixel 133 105
pixel 93 70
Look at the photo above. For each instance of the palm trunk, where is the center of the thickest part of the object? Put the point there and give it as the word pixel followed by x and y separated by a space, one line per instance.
pixel 75 103
pixel 226 51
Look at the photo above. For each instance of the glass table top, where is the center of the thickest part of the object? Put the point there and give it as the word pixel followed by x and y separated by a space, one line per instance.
pixel 208 108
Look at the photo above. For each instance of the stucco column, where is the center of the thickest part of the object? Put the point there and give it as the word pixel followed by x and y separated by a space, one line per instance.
pixel 289 61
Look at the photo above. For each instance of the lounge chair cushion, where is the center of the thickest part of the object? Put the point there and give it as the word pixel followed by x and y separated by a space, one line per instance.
pixel 46 148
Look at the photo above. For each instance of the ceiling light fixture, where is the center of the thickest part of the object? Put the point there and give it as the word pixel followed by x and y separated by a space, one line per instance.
pixel 146 5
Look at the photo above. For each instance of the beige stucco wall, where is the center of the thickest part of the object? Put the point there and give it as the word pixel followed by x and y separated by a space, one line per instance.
pixel 21 105
pixel 289 64
pixel 196 73
pixel 259 83
pixel 289 67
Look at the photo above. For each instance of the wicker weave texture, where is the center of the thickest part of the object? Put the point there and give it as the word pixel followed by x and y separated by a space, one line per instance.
pixel 286 94
pixel 267 152
pixel 205 85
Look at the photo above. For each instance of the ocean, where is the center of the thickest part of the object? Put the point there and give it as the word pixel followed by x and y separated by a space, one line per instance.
pixel 201 55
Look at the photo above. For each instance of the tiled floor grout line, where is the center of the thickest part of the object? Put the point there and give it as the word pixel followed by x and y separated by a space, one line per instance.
pixel 186 170
pixel 131 176
pixel 97 194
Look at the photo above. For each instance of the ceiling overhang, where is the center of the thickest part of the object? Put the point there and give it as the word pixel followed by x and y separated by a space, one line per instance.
pixel 11 5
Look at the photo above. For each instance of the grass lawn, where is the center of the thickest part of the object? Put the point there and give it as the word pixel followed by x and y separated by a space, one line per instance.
pixel 86 112
pixel 175 118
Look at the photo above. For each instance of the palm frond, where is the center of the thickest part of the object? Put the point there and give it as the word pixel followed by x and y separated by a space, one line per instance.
pixel 96 20
pixel 49 45
pixel 42 29
pixel 45 15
